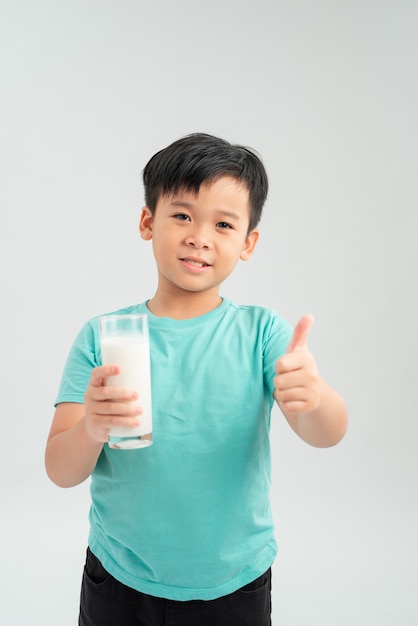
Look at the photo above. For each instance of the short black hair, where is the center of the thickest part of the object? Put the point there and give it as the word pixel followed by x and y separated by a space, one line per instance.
pixel 200 158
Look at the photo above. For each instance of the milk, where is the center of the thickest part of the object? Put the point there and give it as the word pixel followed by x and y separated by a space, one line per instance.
pixel 131 354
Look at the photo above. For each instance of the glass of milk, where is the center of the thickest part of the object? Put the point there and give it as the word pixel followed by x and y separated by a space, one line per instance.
pixel 124 341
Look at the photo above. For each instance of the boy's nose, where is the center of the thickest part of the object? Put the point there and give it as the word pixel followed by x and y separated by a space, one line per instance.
pixel 198 241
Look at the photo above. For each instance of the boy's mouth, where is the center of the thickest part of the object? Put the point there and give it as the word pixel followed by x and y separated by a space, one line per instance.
pixel 195 262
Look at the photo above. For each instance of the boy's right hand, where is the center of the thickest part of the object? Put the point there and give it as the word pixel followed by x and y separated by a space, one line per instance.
pixel 107 406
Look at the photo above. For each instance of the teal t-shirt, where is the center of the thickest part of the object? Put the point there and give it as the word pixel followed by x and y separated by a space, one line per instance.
pixel 189 517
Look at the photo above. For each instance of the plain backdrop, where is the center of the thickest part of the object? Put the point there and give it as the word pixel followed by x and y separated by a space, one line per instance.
pixel 326 91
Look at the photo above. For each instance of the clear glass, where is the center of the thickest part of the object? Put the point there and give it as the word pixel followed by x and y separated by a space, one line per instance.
pixel 124 341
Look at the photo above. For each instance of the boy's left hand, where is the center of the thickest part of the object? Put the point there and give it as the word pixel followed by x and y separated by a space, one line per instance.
pixel 297 388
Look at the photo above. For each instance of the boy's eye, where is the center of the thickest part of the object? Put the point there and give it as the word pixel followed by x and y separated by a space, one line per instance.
pixel 223 225
pixel 182 217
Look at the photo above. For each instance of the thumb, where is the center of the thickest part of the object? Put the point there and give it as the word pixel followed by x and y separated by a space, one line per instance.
pixel 300 334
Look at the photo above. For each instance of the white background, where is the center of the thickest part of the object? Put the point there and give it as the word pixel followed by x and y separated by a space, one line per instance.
pixel 327 92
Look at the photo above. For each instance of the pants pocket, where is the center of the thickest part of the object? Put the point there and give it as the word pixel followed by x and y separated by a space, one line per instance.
pixel 257 584
pixel 94 570
pixel 255 602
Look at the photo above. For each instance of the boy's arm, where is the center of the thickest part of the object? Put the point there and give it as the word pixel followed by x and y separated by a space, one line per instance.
pixel 79 431
pixel 315 411
pixel 71 453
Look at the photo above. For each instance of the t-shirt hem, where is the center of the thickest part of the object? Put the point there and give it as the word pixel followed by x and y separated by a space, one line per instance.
pixel 248 574
pixel 70 397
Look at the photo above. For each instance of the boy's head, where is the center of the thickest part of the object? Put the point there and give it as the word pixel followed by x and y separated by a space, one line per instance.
pixel 200 158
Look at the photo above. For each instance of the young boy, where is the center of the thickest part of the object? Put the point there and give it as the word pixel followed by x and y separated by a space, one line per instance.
pixel 181 532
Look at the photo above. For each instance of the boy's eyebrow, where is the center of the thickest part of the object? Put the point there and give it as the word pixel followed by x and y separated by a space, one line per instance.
pixel 187 205
pixel 230 214
pixel 224 212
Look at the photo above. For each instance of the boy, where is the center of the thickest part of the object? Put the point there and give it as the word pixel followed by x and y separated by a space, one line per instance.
pixel 181 532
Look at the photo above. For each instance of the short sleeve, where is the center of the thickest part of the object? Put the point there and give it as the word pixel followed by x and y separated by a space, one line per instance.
pixel 84 355
pixel 277 336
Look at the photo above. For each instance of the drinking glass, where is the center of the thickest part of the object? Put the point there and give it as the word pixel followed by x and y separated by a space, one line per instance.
pixel 124 341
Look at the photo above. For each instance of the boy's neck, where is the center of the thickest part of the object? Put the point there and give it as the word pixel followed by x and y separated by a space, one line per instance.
pixel 185 306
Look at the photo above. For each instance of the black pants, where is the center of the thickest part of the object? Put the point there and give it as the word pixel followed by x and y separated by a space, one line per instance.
pixel 107 602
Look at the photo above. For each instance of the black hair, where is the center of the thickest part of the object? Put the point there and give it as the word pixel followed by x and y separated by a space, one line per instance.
pixel 200 158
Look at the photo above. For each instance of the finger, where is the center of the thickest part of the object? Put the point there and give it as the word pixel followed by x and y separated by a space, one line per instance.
pixel 128 409
pixel 130 422
pixel 300 334
pixel 291 362
pixel 288 380
pixel 101 373
pixel 113 394
pixel 295 407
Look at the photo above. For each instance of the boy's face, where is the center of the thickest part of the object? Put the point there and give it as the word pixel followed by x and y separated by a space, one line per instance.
pixel 199 238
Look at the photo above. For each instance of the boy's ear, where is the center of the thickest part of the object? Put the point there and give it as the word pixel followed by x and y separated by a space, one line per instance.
pixel 249 245
pixel 145 224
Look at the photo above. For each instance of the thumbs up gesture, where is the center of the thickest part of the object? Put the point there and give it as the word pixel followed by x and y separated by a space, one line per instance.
pixel 297 388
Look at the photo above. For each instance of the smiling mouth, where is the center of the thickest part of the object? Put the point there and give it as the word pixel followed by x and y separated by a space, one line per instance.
pixel 195 262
